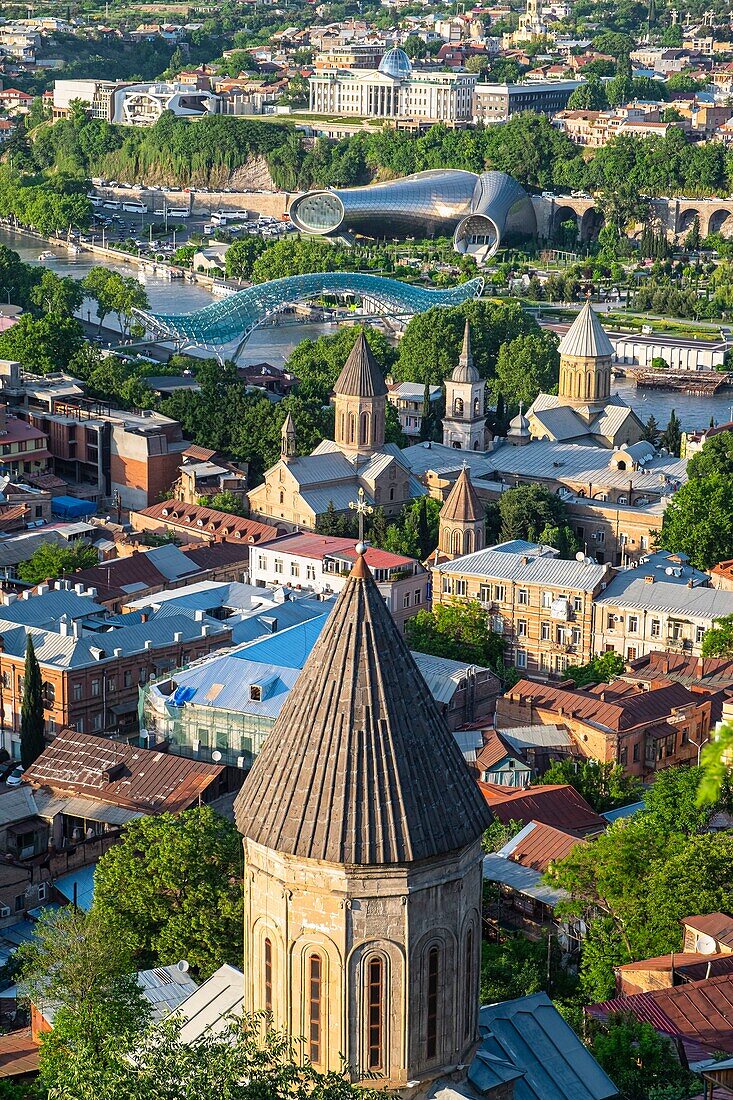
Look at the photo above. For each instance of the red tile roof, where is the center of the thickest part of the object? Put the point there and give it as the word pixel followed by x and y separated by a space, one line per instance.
pixel 121 774
pixel 208 521
pixel 558 805
pixel 698 1013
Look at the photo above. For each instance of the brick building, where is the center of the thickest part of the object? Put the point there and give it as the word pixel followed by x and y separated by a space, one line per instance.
pixel 621 723
pixel 91 665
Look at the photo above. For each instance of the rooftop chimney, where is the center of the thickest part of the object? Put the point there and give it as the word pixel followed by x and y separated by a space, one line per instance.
pixel 649 579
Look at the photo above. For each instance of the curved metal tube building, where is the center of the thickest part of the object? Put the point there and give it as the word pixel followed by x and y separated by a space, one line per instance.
pixel 478 210
pixel 235 317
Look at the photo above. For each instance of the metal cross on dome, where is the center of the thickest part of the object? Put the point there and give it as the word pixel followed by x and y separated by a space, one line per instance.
pixel 362 508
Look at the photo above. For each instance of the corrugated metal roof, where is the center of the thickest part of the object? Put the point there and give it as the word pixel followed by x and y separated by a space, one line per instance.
pixel 78 886
pixel 113 771
pixel 558 804
pixel 207 1012
pixel 636 593
pixel 165 988
pixel 538 845
pixel 560 422
pixel 531 1035
pixel 319 469
pixel 523 880
pixel 553 572
pixel 16 804
pixel 49 805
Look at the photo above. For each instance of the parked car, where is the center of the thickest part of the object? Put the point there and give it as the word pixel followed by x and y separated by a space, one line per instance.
pixel 16 776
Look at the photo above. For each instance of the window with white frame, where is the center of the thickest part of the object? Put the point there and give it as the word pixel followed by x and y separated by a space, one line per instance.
pixel 547 599
pixel 460 589
pixel 521 658
pixel 633 624
pixel 523 596
pixel 545 632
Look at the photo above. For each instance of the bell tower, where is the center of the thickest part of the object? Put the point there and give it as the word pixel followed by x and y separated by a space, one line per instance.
pixel 586 355
pixel 287 438
pixel 361 402
pixel 464 423
pixel 462 524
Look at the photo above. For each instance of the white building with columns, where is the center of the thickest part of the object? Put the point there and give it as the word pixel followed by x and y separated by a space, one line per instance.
pixel 394 90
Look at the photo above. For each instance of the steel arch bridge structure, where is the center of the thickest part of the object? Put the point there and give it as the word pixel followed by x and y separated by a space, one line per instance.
pixel 238 315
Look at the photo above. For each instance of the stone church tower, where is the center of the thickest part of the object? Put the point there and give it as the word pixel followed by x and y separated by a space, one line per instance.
pixel 361 402
pixel 464 423
pixel 462 524
pixel 362 860
pixel 586 354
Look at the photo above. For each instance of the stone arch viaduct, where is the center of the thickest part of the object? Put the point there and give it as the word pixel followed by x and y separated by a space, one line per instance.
pixel 675 216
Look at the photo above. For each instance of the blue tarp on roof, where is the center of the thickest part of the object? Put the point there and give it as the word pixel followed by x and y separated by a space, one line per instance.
pixel 72 508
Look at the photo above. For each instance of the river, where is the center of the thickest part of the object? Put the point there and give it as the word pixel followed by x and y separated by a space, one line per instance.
pixel 274 343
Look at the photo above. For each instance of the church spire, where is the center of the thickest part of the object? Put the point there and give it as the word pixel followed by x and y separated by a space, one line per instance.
pixel 361 402
pixel 465 371
pixel 287 438
pixel 360 764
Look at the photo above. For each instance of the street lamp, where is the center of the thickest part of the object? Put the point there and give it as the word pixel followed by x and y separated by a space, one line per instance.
pixel 699 746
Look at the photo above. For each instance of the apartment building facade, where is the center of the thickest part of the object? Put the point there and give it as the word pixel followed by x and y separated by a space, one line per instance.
pixel 662 604
pixel 499 102
pixel 323 563
pixel 541 605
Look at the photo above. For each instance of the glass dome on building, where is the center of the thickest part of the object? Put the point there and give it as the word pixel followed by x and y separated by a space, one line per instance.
pixel 396 63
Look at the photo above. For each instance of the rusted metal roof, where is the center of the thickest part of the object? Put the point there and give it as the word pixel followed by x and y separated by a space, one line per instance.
pixel 205 522
pixel 538 845
pixel 558 805
pixel 698 1013
pixel 719 926
pixel 120 774
pixel 613 710
pixel 18 1054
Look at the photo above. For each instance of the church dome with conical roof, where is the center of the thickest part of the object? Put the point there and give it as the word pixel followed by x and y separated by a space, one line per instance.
pixel 586 337
pixel 462 505
pixel 361 375
pixel 360 765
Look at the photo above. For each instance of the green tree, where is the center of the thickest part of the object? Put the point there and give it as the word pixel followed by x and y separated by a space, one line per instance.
pixel 42 345
pixel 671 802
pixel 603 785
pixel 57 295
pixel 651 430
pixel 601 669
pixel 32 725
pixel 641 1062
pixel 173 885
pixel 83 966
pixel 516 967
pixel 52 560
pixel 698 521
pixel 671 437
pixel 718 639
pixel 526 366
pixel 415 534
pixel 528 509
pixel 562 538
pixel 716 457
pixel 692 240
pixel 226 501
pixel 590 96
pixel 461 632
pixel 241 256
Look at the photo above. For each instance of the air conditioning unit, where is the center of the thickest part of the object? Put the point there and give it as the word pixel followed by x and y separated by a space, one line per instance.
pixel 241 762
pixel 196 745
pixel 4 912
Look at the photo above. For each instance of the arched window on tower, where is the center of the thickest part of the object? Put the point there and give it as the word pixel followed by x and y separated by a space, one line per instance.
pixel 458 406
pixel 315 1022
pixel 477 406
pixel 268 976
pixel 468 542
pixel 364 428
pixel 468 992
pixel 456 542
pixel 375 1013
pixel 352 428
pixel 431 1021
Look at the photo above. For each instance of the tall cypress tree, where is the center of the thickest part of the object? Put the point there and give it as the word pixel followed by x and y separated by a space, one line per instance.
pixel 32 742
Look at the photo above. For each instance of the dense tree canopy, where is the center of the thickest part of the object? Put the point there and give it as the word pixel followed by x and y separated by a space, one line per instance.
pixel 53 560
pixel 698 520
pixel 460 631
pixel 174 885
